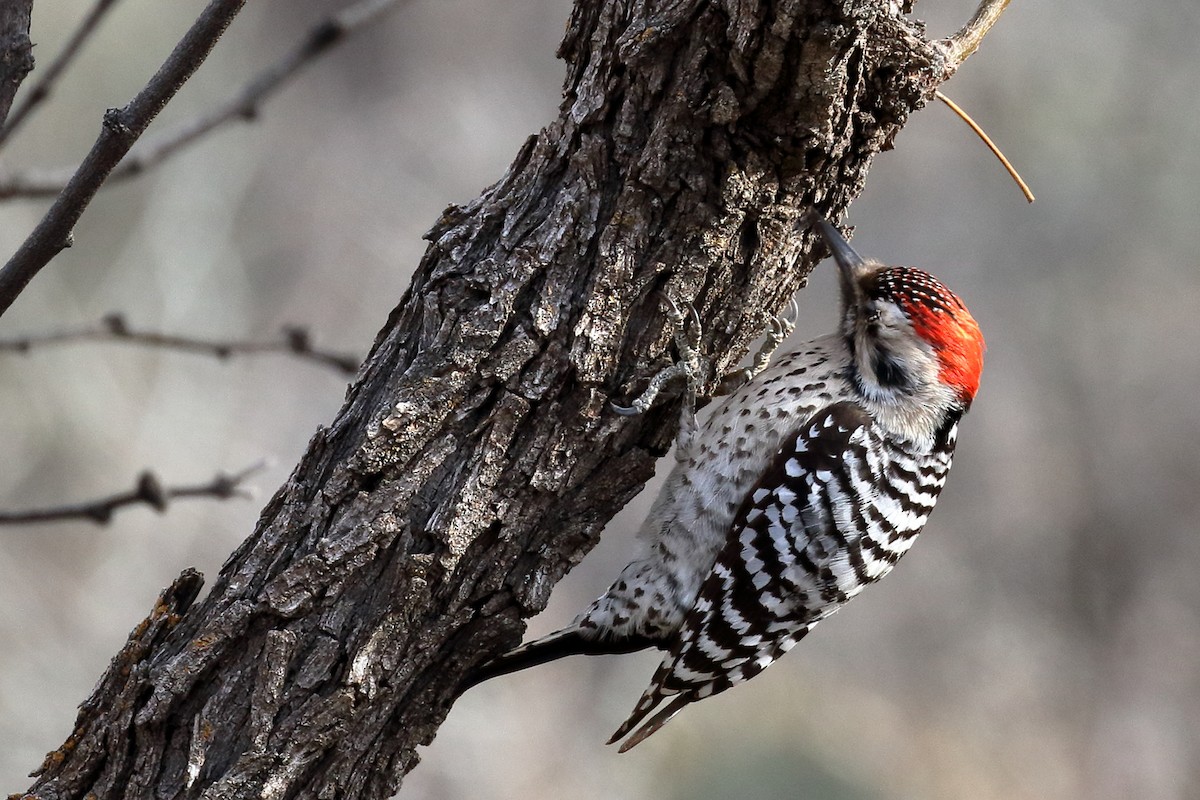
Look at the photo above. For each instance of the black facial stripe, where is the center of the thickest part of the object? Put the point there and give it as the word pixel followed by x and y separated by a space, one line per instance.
pixel 889 373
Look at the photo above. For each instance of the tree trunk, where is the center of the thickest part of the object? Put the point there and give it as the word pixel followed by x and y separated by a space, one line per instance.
pixel 475 460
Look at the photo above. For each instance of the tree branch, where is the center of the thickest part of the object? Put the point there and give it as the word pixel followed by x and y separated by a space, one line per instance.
pixel 296 342
pixel 121 129
pixel 16 50
pixel 42 88
pixel 148 490
pixel 963 44
pixel 242 106
pixel 476 458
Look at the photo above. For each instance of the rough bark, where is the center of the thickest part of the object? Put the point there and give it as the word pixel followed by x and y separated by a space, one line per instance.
pixel 16 50
pixel 475 460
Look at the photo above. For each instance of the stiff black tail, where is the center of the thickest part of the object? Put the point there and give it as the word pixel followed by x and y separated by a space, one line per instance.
pixel 567 642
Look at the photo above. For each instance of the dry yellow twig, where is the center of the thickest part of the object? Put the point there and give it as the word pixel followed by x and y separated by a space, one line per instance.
pixel 988 141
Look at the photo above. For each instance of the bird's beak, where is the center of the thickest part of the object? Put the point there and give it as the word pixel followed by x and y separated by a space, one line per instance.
pixel 851 263
pixel 852 266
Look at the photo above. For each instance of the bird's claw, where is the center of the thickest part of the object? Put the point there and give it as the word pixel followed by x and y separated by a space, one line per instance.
pixel 625 411
pixel 781 328
pixel 690 365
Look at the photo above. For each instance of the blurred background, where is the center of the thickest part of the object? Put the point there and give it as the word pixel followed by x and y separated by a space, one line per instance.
pixel 1041 641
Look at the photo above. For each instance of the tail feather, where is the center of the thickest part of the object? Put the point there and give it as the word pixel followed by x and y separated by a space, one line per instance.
pixel 657 721
pixel 566 642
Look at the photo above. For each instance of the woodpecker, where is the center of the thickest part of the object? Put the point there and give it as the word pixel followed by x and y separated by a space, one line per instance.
pixel 804 485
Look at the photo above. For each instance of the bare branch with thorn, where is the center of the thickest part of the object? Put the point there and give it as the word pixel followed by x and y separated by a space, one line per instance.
pixel 121 128
pixel 242 106
pixel 296 341
pixel 148 490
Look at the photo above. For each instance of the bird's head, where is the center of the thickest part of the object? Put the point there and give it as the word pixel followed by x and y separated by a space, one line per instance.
pixel 910 337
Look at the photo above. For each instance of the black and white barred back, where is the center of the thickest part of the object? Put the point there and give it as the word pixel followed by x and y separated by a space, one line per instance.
pixel 839 505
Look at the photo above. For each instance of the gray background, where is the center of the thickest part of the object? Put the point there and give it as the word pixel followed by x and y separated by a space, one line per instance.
pixel 1040 642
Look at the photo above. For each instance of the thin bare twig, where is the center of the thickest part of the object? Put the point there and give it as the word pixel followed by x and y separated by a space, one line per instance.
pixel 148 490
pixel 963 44
pixel 242 106
pixel 987 140
pixel 296 341
pixel 121 129
pixel 42 88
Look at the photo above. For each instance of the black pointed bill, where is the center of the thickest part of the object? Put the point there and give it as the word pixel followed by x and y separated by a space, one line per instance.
pixel 850 262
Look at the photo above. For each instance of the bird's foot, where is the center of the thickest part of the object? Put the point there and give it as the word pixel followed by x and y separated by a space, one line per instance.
pixel 691 365
pixel 781 328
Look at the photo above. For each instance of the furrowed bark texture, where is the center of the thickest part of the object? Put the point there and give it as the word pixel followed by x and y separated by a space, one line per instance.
pixel 475 460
